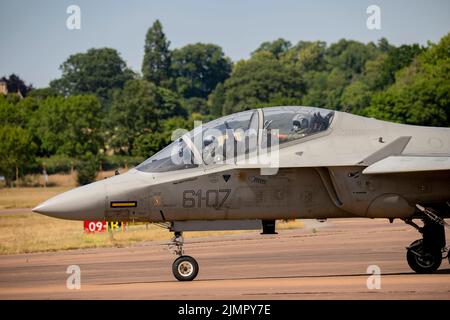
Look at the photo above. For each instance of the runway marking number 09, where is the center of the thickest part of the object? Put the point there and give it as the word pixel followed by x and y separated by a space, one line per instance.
pixel 213 198
pixel 94 226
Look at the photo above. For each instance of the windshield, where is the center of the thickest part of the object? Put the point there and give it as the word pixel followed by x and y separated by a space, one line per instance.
pixel 216 141
pixel 227 138
pixel 176 156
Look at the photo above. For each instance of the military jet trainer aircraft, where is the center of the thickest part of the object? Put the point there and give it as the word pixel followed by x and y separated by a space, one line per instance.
pixel 246 170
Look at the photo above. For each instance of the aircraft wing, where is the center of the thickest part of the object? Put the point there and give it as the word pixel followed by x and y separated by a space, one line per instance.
pixel 397 164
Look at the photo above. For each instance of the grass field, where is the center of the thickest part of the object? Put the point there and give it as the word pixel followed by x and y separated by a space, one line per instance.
pixel 31 232
pixel 11 198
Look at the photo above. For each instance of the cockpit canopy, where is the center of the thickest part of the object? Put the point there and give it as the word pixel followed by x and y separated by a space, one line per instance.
pixel 239 135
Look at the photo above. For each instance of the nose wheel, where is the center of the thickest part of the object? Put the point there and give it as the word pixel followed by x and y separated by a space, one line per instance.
pixel 184 268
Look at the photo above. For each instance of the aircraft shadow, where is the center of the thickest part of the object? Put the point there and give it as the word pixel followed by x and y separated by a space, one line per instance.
pixel 443 271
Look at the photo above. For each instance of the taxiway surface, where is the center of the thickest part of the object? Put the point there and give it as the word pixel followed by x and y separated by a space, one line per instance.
pixel 320 261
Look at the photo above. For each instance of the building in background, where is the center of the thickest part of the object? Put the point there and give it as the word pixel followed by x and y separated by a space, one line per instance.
pixel 3 87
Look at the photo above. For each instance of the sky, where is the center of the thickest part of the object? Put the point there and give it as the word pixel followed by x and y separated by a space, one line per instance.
pixel 34 38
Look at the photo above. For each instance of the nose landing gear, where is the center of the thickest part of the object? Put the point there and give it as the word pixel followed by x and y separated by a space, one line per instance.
pixel 184 268
pixel 425 255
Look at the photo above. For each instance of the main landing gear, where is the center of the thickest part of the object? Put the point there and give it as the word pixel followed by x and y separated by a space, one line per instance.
pixel 184 268
pixel 425 255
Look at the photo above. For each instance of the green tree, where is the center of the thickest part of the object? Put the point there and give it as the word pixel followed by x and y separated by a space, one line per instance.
pixel 95 72
pixel 277 47
pixel 138 109
pixel 17 151
pixel 372 76
pixel 196 105
pixel 147 144
pixel 350 56
pixel 42 93
pixel 316 88
pixel 198 68
pixel 87 168
pixel 69 126
pixel 157 56
pixel 356 97
pixel 312 57
pixel 384 45
pixel 421 92
pixel 12 114
pixel 216 100
pixel 19 113
pixel 397 59
pixel 328 71
pixel 307 56
pixel 262 81
pixel 336 83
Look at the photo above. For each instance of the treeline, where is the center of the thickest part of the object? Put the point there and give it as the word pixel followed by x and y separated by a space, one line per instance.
pixel 100 107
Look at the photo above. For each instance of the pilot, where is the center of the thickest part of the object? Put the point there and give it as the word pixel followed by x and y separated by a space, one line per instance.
pixel 300 124
pixel 210 145
pixel 300 127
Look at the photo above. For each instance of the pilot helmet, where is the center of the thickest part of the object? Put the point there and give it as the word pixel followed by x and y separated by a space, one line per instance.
pixel 300 122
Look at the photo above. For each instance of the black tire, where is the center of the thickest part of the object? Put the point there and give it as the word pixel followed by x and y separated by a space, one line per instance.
pixel 185 268
pixel 421 261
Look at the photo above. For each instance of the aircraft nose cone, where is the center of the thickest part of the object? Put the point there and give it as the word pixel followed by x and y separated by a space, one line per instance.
pixel 82 203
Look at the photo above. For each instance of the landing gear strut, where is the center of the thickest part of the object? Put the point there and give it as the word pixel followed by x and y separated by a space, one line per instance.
pixel 425 255
pixel 184 268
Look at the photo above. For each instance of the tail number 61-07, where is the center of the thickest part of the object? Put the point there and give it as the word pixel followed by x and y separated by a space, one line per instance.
pixel 214 198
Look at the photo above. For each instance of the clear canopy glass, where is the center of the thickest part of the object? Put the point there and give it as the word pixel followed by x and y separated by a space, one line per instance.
pixel 176 156
pixel 292 123
pixel 236 135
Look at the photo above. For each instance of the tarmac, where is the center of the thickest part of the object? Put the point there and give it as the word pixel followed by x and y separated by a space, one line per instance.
pixel 320 261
